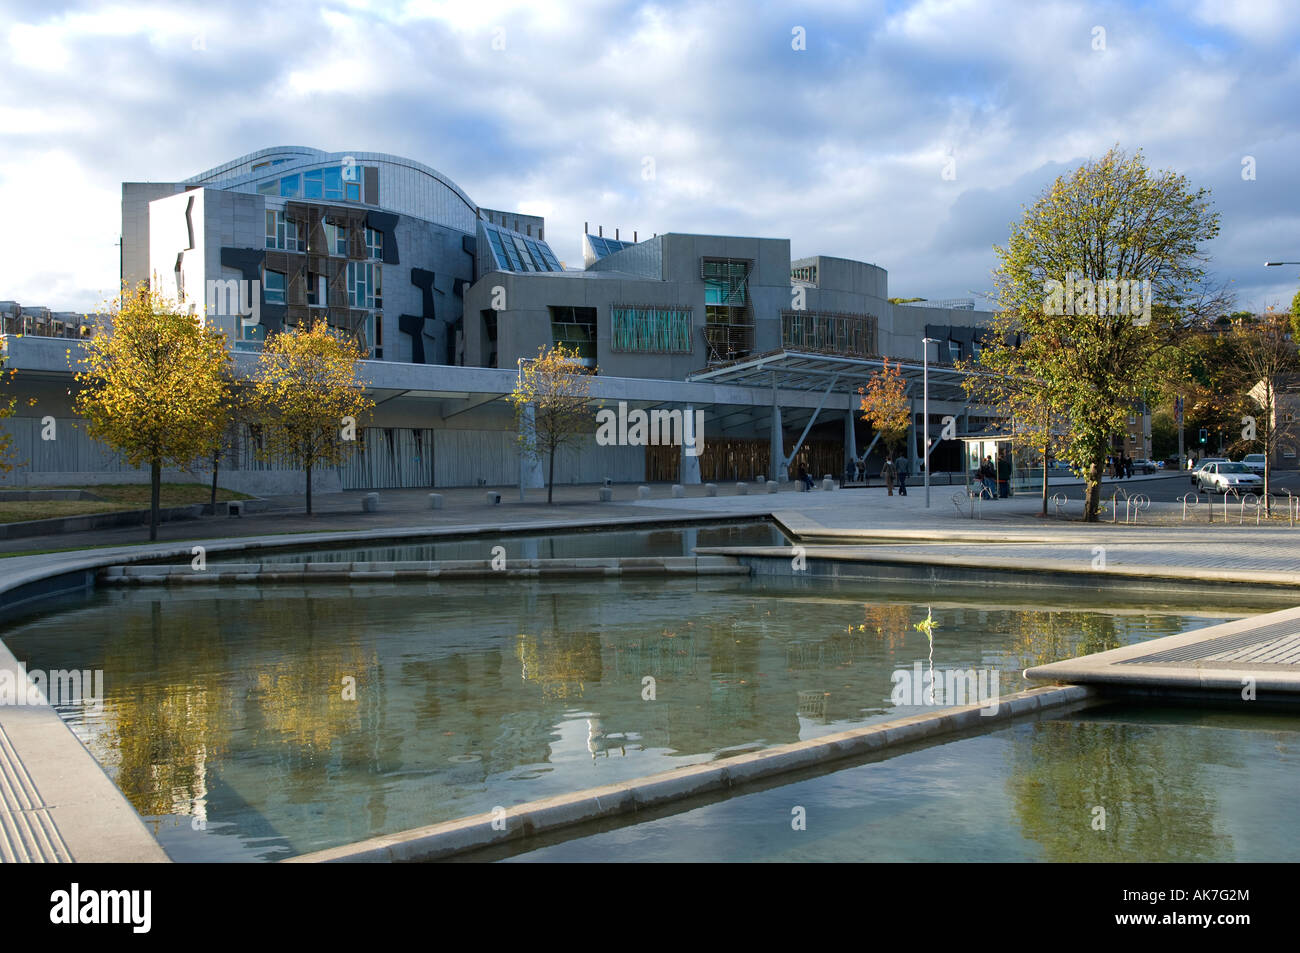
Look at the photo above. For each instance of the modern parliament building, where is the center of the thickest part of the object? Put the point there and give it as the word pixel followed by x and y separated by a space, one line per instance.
pixel 447 297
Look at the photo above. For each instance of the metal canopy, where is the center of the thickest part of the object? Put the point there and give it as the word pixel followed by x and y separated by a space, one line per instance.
pixel 805 370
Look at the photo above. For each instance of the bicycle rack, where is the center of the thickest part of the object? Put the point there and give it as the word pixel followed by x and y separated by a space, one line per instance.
pixel 1059 500
pixel 1192 499
pixel 1140 502
pixel 1254 501
pixel 1228 490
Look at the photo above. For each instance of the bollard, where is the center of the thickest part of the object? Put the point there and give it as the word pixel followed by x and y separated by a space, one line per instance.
pixel 742 489
pixel 759 479
pixel 235 508
pixel 370 503
pixel 772 486
pixel 493 497
pixel 828 483
pixel 679 491
pixel 606 494
pixel 710 489
pixel 643 493
pixel 435 501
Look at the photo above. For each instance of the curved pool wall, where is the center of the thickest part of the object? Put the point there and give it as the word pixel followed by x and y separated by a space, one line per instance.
pixel 1104 783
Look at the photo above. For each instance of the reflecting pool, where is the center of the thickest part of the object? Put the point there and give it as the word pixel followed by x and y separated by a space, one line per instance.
pixel 255 723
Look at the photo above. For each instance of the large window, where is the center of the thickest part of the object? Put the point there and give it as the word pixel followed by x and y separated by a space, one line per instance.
pixel 273 287
pixel 365 285
pixel 375 244
pixel 849 334
pixel 575 328
pixel 728 325
pixel 651 330
pixel 284 234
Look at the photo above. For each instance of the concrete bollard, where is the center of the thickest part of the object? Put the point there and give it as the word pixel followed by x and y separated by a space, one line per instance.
pixel 710 489
pixel 643 493
pixel 759 479
pixel 235 508
pixel 772 486
pixel 679 491
pixel 828 483
pixel 435 501
pixel 606 494
pixel 370 503
pixel 742 489
pixel 493 497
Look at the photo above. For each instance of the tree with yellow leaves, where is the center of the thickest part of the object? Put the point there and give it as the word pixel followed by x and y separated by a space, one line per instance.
pixel 307 398
pixel 885 406
pixel 6 410
pixel 558 388
pixel 154 385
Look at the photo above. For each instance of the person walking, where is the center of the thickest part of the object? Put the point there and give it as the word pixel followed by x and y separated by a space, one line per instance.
pixel 1004 475
pixel 987 476
pixel 888 473
pixel 903 468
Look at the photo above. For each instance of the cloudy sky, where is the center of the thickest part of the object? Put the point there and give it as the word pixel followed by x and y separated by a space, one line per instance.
pixel 688 117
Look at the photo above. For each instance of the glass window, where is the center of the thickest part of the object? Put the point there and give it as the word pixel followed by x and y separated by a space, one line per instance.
pixel 336 239
pixel 352 191
pixel 284 234
pixel 312 185
pixel 333 182
pixel 291 186
pixel 375 244
pixel 575 329
pixel 502 260
pixel 273 287
pixel 317 291
pixel 365 285
pixel 651 330
pixel 269 188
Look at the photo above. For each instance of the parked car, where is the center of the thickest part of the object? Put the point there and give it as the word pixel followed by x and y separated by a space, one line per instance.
pixel 1144 466
pixel 1202 464
pixel 1223 476
pixel 1255 461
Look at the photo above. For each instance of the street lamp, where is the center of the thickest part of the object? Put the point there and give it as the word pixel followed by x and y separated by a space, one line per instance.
pixel 925 412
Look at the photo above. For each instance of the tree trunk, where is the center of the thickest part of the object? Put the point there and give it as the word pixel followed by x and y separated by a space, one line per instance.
pixel 1092 490
pixel 155 494
pixel 216 462
pixel 1044 513
pixel 550 476
pixel 308 468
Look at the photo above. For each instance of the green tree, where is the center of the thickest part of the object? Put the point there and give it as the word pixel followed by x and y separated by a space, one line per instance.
pixel 557 387
pixel 1295 317
pixel 154 386
pixel 7 405
pixel 1062 329
pixel 307 399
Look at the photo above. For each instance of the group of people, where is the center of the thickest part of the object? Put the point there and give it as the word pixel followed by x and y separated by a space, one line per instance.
pixel 1119 467
pixel 995 477
pixel 895 469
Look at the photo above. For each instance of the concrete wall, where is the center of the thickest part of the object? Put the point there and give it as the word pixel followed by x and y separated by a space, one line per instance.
pixel 136 197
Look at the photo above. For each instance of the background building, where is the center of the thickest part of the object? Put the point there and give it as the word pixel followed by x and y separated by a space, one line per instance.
pixel 447 297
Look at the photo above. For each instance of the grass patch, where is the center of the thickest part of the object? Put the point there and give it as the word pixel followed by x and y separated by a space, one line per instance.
pixel 52 509
pixel 116 497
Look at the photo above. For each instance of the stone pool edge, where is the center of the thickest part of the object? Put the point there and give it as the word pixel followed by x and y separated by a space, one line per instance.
pixel 440 841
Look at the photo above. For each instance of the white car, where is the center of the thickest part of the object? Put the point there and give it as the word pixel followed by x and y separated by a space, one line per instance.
pixel 1201 465
pixel 1223 477
pixel 1255 461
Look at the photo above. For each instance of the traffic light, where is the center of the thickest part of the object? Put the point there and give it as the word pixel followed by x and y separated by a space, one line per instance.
pixel 1204 434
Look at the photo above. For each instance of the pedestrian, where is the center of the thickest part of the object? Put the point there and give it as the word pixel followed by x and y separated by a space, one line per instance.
pixel 902 467
pixel 987 476
pixel 1004 475
pixel 888 473
pixel 805 479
